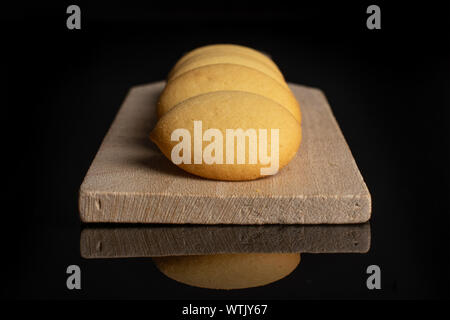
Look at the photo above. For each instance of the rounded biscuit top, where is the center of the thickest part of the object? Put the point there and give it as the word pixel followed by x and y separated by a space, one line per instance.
pixel 230 110
pixel 225 77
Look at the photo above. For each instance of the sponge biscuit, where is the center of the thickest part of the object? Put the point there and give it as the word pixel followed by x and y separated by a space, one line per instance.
pixel 229 48
pixel 224 110
pixel 225 77
pixel 230 58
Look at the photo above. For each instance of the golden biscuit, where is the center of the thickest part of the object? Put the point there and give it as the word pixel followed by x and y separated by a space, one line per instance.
pixel 230 158
pixel 219 77
pixel 229 48
pixel 228 271
pixel 201 60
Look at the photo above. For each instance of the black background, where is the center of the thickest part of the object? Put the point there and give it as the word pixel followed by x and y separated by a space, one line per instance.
pixel 388 88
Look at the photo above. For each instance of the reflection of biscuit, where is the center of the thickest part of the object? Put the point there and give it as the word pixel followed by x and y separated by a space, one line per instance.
pixel 228 271
pixel 201 60
pixel 218 77
pixel 229 48
pixel 230 110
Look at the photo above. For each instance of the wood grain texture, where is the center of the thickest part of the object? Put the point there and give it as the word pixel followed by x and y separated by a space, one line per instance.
pixel 130 180
pixel 154 241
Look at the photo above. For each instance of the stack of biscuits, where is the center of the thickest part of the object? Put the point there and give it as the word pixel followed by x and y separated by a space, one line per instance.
pixel 227 87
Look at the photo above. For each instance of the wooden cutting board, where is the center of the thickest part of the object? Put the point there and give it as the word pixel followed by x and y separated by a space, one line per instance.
pixel 156 241
pixel 130 180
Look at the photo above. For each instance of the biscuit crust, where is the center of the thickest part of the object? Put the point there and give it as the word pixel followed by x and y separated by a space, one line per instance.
pixel 226 77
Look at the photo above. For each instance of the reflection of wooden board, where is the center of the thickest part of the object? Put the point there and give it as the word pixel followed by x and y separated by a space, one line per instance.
pixel 117 242
pixel 131 181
